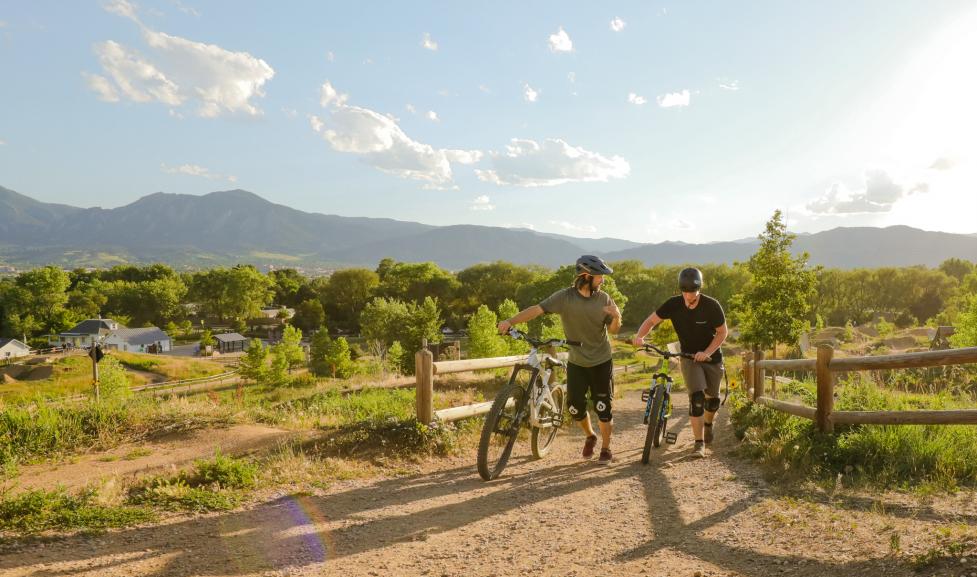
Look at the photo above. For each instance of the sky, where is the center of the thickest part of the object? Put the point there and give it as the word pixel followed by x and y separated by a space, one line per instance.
pixel 649 121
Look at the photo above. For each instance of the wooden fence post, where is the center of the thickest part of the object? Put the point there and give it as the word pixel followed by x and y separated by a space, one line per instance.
pixel 757 374
pixel 826 389
pixel 748 373
pixel 424 372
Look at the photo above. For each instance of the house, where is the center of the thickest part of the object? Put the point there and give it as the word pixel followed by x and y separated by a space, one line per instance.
pixel 82 334
pixel 231 342
pixel 12 348
pixel 144 340
pixel 274 313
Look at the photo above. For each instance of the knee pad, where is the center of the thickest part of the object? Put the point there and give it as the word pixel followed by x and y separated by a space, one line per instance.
pixel 712 405
pixel 697 403
pixel 578 409
pixel 602 406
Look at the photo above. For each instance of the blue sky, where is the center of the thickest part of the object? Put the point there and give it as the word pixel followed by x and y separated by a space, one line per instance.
pixel 651 121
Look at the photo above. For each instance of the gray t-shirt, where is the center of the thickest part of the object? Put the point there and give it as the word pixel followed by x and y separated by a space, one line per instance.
pixel 584 320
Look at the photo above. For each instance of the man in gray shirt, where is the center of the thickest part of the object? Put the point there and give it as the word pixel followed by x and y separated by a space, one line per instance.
pixel 588 314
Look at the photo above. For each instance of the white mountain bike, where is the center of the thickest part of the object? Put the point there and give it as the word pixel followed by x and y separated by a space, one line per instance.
pixel 512 409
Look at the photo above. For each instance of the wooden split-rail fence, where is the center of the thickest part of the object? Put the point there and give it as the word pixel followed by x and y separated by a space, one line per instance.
pixel 427 369
pixel 826 367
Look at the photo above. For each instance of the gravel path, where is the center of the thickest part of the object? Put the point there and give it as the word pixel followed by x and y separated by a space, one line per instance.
pixel 558 516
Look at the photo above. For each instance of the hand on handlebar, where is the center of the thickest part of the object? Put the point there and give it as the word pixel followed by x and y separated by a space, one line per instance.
pixel 638 341
pixel 702 357
pixel 504 327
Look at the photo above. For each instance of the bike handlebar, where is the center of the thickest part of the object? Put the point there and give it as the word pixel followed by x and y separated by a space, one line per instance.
pixel 667 354
pixel 536 343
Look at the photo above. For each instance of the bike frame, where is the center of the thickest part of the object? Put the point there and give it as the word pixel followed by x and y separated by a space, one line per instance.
pixel 542 394
pixel 659 380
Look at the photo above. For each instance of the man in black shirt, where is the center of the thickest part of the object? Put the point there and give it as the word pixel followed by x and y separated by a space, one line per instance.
pixel 701 326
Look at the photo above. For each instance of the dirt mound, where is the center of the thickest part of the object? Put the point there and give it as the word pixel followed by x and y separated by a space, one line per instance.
pixel 900 343
pixel 38 373
pixel 13 371
pixel 7 379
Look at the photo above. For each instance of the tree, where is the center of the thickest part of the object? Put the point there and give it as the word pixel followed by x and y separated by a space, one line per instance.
pixel 309 315
pixel 237 293
pixel 207 340
pixel 490 284
pixel 318 354
pixel 382 319
pixel 338 359
pixel 484 340
pixel 290 287
pixel 957 268
pixel 507 310
pixel 290 348
pixel 395 356
pixel 346 295
pixel 254 363
pixel 423 323
pixel 966 330
pixel 39 300
pixel 113 381
pixel 775 304
pixel 413 282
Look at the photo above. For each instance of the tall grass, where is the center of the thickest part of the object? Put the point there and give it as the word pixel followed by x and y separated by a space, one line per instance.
pixel 911 457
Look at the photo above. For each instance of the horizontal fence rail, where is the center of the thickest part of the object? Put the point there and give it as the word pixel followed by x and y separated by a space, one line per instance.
pixel 825 367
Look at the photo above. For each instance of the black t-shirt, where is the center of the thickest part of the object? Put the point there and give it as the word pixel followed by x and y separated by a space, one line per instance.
pixel 695 327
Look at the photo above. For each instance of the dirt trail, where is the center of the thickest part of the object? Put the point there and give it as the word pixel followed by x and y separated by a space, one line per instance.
pixel 178 449
pixel 559 516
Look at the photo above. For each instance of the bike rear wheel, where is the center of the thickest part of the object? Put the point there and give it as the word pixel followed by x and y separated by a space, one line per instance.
pixel 500 431
pixel 654 423
pixel 542 437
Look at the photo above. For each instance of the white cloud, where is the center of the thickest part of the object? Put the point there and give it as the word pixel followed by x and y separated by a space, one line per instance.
pixel 674 99
pixel 482 203
pixel 879 194
pixel 525 225
pixel 330 56
pixel 732 85
pixel 530 94
pixel 189 10
pixel 484 89
pixel 635 99
pixel 3 142
pixel 617 24
pixel 410 108
pixel 531 164
pixel 196 170
pixel 179 71
pixel 426 42
pixel 290 112
pixel 560 41
pixel 574 227
pixel 329 96
pixel 944 163
pixel 384 145
pixel 680 224
pixel 572 77
pixel 433 116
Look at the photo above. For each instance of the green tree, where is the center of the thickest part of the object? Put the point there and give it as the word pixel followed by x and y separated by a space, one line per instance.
pixel 395 356
pixel 484 340
pixel 237 293
pixel 966 329
pixel 290 348
pixel 207 340
pixel 413 282
pixel 956 268
pixel 309 315
pixel 507 310
pixel 254 363
pixel 382 319
pixel 318 353
pixel 346 294
pixel 113 381
pixel 775 304
pixel 423 323
pixel 338 359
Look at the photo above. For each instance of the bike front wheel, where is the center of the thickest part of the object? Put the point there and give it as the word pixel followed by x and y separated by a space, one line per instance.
pixel 654 423
pixel 500 431
pixel 542 437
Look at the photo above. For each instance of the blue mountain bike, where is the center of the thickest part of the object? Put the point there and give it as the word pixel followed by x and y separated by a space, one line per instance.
pixel 658 403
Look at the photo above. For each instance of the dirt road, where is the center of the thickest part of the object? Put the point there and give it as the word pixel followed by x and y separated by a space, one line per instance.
pixel 558 516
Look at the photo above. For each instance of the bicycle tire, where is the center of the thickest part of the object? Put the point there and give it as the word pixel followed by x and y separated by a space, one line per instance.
pixel 490 466
pixel 654 422
pixel 542 437
pixel 662 426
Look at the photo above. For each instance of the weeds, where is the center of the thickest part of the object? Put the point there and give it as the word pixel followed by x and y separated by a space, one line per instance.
pixel 40 510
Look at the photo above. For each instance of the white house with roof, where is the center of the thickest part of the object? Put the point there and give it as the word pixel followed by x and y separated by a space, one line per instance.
pixel 82 334
pixel 143 340
pixel 12 348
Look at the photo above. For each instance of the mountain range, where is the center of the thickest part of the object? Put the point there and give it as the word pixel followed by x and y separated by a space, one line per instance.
pixel 235 226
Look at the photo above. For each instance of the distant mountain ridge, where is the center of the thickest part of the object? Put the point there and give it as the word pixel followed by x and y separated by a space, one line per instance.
pixel 233 226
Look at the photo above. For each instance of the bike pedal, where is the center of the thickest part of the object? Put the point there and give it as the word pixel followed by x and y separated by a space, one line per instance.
pixel 645 395
pixel 671 438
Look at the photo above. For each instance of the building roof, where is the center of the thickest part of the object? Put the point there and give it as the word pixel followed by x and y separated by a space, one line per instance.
pixel 94 327
pixel 230 337
pixel 5 342
pixel 142 336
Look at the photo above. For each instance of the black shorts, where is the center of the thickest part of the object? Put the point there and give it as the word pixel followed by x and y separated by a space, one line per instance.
pixel 598 381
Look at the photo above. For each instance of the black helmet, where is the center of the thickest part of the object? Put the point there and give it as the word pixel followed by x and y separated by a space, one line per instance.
pixel 690 280
pixel 591 264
